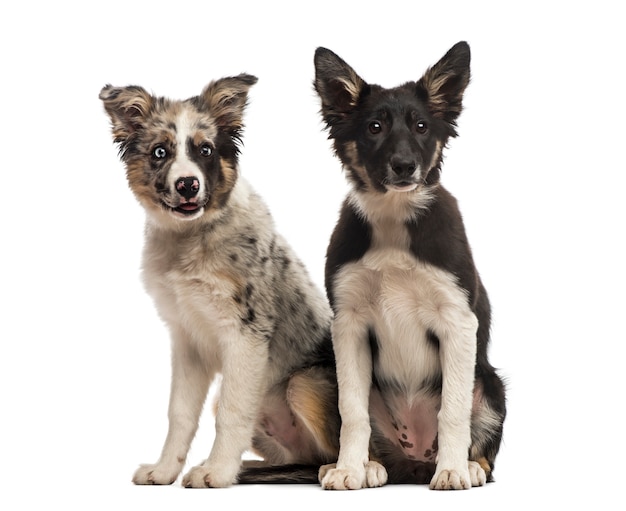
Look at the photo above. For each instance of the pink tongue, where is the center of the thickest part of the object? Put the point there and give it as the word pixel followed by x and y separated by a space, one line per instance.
pixel 188 207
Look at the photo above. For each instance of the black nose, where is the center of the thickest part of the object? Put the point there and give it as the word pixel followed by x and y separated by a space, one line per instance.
pixel 403 166
pixel 187 187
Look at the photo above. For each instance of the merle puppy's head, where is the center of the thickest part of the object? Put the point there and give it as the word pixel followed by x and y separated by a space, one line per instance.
pixel 391 140
pixel 180 156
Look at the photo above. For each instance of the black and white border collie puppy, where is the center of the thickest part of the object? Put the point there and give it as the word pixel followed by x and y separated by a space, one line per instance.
pixel 418 398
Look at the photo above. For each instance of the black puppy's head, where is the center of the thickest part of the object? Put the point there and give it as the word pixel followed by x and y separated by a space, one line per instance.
pixel 391 140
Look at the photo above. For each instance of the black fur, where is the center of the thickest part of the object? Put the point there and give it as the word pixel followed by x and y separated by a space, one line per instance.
pixel 279 474
pixel 381 137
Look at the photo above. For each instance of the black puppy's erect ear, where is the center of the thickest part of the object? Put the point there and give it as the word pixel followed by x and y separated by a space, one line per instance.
pixel 226 100
pixel 337 84
pixel 443 85
pixel 128 108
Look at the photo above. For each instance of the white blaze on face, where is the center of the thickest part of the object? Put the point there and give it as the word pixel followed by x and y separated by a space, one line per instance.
pixel 183 166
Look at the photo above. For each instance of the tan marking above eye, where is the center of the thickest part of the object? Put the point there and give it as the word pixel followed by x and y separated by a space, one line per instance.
pixel 200 138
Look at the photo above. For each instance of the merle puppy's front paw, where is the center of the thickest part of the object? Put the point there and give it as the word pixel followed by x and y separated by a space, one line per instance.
pixel 155 474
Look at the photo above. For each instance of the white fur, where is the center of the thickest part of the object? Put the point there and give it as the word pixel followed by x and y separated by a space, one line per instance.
pixel 193 294
pixel 196 304
pixel 235 297
pixel 401 299
pixel 182 165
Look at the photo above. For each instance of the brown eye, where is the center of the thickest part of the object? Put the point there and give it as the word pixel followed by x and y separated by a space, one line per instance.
pixel 421 127
pixel 206 150
pixel 375 127
pixel 159 152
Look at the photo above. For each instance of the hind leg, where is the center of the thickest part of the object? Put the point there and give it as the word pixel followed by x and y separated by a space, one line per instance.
pixel 488 414
pixel 312 396
pixel 298 430
pixel 299 422
pixel 478 472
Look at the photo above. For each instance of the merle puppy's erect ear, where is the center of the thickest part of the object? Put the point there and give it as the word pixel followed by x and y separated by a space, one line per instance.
pixel 443 84
pixel 337 84
pixel 128 108
pixel 226 100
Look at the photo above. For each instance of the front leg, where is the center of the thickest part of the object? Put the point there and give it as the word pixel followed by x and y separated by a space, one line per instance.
pixel 245 365
pixel 458 356
pixel 189 387
pixel 354 469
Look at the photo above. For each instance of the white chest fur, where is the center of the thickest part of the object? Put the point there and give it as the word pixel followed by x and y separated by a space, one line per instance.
pixel 402 299
pixel 192 303
pixel 192 280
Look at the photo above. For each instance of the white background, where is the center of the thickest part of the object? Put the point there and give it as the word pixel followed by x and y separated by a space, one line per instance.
pixel 538 170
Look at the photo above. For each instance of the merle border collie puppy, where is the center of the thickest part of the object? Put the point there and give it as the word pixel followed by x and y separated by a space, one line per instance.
pixel 237 300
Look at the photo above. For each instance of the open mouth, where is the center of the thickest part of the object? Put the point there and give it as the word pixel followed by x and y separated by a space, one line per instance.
pixel 187 209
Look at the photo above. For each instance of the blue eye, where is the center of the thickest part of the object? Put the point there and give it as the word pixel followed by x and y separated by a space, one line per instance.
pixel 159 152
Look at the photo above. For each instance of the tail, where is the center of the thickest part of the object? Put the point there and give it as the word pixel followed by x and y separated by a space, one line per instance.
pixel 279 474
